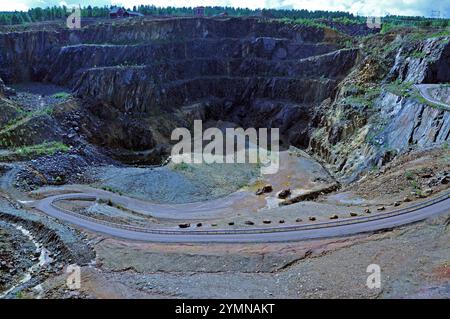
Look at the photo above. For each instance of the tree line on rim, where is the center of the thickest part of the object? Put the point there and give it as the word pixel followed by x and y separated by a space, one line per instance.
pixel 61 12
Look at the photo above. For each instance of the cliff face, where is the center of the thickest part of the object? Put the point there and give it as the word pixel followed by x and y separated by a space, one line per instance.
pixel 353 107
pixel 167 68
pixel 30 55
pixel 359 131
pixel 26 56
pixel 427 61
pixel 2 87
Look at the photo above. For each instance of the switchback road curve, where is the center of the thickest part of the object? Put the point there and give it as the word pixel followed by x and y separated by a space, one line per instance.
pixel 439 205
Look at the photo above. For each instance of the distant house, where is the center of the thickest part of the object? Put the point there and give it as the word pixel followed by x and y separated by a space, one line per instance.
pixel 118 12
pixel 199 11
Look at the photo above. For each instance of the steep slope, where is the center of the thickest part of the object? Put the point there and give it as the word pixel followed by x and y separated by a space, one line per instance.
pixel 354 106
pixel 378 113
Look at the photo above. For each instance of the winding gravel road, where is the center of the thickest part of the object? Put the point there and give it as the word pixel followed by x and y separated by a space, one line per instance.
pixel 423 90
pixel 436 206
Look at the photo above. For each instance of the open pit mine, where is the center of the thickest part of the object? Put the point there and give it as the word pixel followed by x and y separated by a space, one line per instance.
pixel 88 186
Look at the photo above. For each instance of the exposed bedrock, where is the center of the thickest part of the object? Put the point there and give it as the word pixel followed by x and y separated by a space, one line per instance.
pixel 138 80
pixel 29 55
pixel 134 91
pixel 357 131
pixel 26 56
pixel 2 87
pixel 427 61
pixel 179 59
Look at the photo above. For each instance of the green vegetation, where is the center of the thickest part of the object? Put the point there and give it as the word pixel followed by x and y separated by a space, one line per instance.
pixel 422 24
pixel 23 117
pixel 414 184
pixel 106 201
pixel 110 203
pixel 409 175
pixel 46 148
pixel 406 89
pixel 419 98
pixel 400 88
pixel 347 21
pixel 110 189
pixel 20 295
pixel 305 22
pixel 423 34
pixel 362 96
pixel 61 95
pixel 48 14
pixel 418 54
pixel 387 27
pixel 61 12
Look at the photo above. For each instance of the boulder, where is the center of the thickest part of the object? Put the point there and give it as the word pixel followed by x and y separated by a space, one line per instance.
pixel 284 194
pixel 265 189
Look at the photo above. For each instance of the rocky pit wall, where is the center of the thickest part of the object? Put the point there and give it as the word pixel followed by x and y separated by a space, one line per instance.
pixel 357 132
pixel 146 77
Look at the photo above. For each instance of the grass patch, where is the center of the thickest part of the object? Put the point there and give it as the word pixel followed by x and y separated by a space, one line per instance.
pixel 417 55
pixel 61 95
pixel 306 22
pixel 110 189
pixel 409 175
pixel 25 116
pixel 400 88
pixel 362 97
pixel 47 148
pixel 445 146
pixel 345 21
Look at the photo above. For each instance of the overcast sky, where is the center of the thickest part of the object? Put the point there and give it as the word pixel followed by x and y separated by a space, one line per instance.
pixel 363 7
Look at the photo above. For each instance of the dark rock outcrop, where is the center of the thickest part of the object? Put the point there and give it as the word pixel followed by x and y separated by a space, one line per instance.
pixel 2 87
pixel 358 132
pixel 138 80
pixel 142 78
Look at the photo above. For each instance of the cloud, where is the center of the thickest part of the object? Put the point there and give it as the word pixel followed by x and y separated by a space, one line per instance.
pixel 13 6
